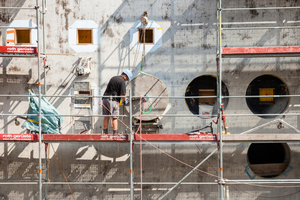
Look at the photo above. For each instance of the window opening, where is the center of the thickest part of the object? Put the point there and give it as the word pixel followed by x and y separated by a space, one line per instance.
pixel 84 36
pixel 205 85
pixel 149 36
pixel 268 159
pixel 271 85
pixel 22 36
pixel 265 92
pixel 83 92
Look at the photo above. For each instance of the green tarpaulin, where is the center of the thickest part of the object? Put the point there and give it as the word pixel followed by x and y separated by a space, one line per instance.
pixel 50 124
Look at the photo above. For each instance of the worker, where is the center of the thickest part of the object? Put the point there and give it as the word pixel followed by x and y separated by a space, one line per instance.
pixel 144 18
pixel 115 87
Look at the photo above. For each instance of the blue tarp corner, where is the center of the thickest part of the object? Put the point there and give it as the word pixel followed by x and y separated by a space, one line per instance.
pixel 50 124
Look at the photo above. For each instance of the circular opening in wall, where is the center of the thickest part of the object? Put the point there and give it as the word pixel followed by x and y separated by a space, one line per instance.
pixel 205 85
pixel 268 159
pixel 263 86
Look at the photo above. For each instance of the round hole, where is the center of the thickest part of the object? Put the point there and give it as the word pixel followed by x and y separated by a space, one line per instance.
pixel 268 159
pixel 205 85
pixel 267 85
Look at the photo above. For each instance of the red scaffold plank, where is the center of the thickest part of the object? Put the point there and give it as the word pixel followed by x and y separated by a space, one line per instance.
pixel 18 49
pixel 84 137
pixel 176 137
pixel 106 138
pixel 19 137
pixel 260 50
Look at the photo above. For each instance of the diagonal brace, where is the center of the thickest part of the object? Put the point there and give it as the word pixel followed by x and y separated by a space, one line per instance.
pixel 189 173
pixel 269 123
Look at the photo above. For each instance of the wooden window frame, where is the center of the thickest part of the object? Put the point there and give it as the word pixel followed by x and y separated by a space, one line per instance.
pixel 84 29
pixel 207 101
pixel 141 29
pixel 22 29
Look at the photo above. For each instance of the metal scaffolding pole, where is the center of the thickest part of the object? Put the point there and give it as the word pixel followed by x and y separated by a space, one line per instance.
pixel 131 137
pixel 12 27
pixel 265 27
pixel 170 190
pixel 40 100
pixel 219 94
pixel 44 45
pixel 262 8
pixel 28 8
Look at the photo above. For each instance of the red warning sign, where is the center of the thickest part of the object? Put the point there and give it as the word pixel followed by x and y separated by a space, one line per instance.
pixel 18 49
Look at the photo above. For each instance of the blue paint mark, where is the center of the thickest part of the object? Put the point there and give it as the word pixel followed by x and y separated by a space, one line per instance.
pixel 289 169
pixel 249 172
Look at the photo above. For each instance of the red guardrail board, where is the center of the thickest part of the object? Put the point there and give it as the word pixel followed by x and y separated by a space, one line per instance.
pixel 176 137
pixel 19 137
pixel 83 137
pixel 18 49
pixel 109 137
pixel 260 50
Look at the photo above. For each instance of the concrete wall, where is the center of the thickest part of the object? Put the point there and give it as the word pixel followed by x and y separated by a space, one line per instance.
pixel 188 50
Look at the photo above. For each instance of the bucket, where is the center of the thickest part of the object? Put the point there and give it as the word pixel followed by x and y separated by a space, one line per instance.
pixel 205 111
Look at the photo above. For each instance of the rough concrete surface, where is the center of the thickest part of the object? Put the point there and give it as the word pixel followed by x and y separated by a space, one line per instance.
pixel 188 50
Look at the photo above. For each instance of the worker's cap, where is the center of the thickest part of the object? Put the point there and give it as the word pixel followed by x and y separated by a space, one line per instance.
pixel 128 73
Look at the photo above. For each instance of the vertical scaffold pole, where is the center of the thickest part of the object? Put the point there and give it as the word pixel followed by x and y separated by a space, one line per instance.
pixel 40 98
pixel 219 84
pixel 44 45
pixel 131 146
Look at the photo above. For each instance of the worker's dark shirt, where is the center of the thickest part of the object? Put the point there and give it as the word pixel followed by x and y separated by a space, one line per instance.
pixel 115 87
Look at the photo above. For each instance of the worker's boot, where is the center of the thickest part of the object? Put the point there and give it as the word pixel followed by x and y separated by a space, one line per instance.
pixel 115 131
pixel 105 131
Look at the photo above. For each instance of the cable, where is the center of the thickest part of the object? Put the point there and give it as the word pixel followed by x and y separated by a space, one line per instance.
pixel 62 171
pixel 216 176
pixel 207 160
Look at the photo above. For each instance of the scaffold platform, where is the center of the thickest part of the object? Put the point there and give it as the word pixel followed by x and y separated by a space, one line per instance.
pixel 150 137
pixel 278 51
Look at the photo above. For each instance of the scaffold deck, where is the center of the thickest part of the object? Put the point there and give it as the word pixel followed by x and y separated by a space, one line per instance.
pixel 149 137
pixel 279 51
pixel 105 138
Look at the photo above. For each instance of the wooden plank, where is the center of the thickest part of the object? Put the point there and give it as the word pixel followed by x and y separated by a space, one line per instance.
pixel 270 169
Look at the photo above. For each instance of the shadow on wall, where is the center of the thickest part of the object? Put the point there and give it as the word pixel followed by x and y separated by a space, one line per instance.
pixel 96 162
pixel 8 15
pixel 12 82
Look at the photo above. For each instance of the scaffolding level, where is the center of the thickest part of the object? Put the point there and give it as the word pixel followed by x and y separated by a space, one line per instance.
pixel 192 138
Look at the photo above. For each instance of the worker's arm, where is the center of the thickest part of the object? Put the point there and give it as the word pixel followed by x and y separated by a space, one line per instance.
pixel 123 98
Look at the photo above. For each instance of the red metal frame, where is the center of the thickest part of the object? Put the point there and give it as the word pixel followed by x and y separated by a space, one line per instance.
pixel 260 50
pixel 18 49
pixel 19 137
pixel 83 137
pixel 109 137
pixel 176 137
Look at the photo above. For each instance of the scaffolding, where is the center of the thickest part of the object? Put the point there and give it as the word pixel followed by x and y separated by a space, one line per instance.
pixel 249 52
pixel 132 139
